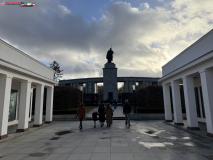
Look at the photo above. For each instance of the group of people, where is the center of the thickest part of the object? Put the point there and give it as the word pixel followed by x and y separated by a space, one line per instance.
pixel 105 112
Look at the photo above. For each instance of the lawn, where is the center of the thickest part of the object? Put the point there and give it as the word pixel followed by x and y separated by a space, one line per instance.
pixel 132 108
pixel 89 108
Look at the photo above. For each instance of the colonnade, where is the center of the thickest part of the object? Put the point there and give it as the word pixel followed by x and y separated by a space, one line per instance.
pixel 206 79
pixel 91 86
pixel 24 104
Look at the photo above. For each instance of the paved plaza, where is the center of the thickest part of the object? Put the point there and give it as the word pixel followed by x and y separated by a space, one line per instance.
pixel 144 140
pixel 118 112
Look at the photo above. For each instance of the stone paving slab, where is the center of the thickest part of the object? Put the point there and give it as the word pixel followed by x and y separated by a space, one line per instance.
pixel 201 133
pixel 143 140
pixel 12 131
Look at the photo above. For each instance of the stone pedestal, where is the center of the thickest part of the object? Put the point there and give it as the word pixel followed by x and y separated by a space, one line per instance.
pixel 110 81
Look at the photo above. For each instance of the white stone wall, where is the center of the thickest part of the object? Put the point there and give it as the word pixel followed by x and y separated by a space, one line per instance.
pixel 17 58
pixel 196 50
pixel 192 68
pixel 21 72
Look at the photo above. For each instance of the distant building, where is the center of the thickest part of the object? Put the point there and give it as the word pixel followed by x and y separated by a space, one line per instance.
pixel 91 84
pixel 192 68
pixel 19 74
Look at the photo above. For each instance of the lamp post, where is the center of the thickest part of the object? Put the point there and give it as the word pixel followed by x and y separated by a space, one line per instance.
pixel 81 89
pixel 133 88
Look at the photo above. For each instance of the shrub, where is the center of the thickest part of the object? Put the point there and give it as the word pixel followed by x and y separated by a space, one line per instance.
pixel 91 99
pixel 140 97
pixel 154 97
pixel 148 110
pixel 66 98
pixel 129 96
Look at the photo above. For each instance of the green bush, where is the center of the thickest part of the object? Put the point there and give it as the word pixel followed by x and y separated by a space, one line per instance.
pixel 152 110
pixel 154 97
pixel 66 98
pixel 91 99
pixel 150 97
pixel 140 97
pixel 129 96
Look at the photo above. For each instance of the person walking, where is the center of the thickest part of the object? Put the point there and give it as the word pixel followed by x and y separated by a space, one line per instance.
pixel 81 114
pixel 107 102
pixel 115 104
pixel 94 116
pixel 127 111
pixel 109 114
pixel 101 113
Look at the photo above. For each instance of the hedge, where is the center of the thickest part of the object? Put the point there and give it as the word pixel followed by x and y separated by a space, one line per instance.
pixel 154 110
pixel 147 110
pixel 154 97
pixel 150 99
pixel 66 98
pixel 60 112
pixel 91 99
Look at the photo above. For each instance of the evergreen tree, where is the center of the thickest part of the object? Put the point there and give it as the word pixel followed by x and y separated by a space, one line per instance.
pixel 58 72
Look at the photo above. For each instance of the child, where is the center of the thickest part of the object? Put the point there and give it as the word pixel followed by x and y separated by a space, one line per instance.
pixel 94 116
pixel 81 114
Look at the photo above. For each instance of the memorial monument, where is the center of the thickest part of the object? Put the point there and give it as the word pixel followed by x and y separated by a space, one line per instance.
pixel 110 88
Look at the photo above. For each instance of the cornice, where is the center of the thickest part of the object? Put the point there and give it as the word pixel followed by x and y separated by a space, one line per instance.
pixel 14 67
pixel 188 65
pixel 200 39
pixel 24 54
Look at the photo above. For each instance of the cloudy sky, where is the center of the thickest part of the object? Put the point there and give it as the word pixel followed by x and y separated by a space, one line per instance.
pixel 145 34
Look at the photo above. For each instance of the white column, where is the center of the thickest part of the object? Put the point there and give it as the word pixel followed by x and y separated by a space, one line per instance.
pixel 38 105
pixel 31 102
pixel 189 94
pixel 96 88
pixel 167 103
pixel 49 105
pixel 5 90
pixel 24 106
pixel 135 85
pixel 207 88
pixel 178 118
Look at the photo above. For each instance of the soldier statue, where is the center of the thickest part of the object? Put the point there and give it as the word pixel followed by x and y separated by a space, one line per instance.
pixel 109 55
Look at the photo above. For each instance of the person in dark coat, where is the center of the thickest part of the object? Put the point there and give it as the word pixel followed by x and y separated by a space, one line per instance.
pixel 127 110
pixel 94 116
pixel 101 114
pixel 115 104
pixel 107 101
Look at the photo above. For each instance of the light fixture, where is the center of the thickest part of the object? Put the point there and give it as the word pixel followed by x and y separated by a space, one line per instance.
pixel 81 87
pixel 133 87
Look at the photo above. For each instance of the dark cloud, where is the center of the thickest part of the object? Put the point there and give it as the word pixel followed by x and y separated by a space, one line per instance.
pixel 142 38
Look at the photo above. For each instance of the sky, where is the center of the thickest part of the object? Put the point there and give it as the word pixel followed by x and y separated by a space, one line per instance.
pixel 144 34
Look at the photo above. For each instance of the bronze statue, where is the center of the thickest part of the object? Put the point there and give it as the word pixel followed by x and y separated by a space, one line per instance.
pixel 109 55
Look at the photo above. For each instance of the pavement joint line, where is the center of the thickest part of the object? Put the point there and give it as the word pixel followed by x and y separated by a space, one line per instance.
pixel 186 130
pixel 20 134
